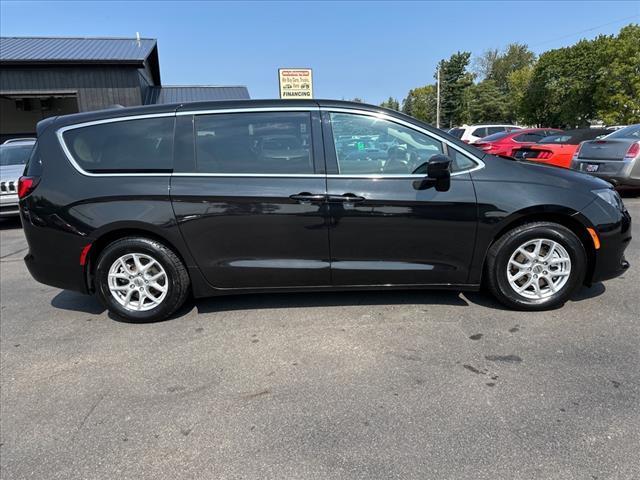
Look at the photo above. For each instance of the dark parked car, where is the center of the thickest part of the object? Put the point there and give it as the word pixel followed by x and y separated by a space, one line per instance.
pixel 144 206
pixel 615 158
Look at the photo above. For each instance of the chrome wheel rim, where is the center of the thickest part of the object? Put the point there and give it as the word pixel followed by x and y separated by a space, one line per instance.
pixel 539 269
pixel 138 282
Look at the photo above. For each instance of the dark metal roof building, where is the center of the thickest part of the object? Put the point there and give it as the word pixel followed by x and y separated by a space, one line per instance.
pixel 46 76
pixel 200 93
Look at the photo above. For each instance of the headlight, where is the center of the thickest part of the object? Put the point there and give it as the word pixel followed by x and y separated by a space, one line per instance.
pixel 611 197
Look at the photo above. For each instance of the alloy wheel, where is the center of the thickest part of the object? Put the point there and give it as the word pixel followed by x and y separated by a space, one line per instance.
pixel 539 268
pixel 138 282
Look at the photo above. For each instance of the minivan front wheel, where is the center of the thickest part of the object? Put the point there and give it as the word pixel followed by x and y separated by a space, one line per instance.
pixel 140 280
pixel 536 266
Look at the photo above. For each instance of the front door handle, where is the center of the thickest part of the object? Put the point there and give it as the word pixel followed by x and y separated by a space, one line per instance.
pixel 306 197
pixel 346 198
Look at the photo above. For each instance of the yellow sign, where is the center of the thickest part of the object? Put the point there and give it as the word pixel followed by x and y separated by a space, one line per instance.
pixel 295 83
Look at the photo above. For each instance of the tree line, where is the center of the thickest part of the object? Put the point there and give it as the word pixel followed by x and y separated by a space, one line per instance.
pixel 592 81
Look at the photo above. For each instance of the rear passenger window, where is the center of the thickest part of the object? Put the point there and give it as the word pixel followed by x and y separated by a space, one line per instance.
pixel 143 145
pixel 480 132
pixel 492 130
pixel 528 137
pixel 262 143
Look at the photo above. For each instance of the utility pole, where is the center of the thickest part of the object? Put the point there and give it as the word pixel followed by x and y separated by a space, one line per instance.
pixel 438 99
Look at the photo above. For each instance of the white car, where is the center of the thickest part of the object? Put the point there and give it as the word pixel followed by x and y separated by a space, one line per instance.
pixel 471 133
pixel 13 156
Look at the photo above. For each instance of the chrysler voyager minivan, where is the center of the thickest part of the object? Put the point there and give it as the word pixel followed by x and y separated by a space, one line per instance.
pixel 145 206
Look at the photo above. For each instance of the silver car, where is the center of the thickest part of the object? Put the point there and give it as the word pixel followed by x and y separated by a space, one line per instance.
pixel 615 158
pixel 13 156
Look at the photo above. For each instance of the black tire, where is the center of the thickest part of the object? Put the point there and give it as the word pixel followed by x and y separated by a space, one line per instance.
pixel 177 281
pixel 500 253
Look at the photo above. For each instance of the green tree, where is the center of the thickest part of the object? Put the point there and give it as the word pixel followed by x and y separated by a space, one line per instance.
pixel 407 104
pixel 454 80
pixel 486 103
pixel 483 65
pixel 561 92
pixel 617 94
pixel 422 101
pixel 518 87
pixel 515 57
pixel 391 103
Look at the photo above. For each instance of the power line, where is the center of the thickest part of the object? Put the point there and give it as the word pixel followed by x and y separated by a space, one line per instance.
pixel 587 30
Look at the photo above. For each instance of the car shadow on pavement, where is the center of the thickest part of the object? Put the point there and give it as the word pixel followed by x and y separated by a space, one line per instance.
pixel 328 299
pixel 77 302
pixel 10 223
pixel 585 293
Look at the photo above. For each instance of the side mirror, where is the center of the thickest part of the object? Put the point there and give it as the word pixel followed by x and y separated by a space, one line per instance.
pixel 438 174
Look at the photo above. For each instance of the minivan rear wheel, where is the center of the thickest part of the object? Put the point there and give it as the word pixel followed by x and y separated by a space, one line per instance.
pixel 140 280
pixel 536 266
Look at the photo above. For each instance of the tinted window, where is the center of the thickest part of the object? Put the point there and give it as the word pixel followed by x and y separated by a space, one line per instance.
pixel 480 132
pixel 144 145
pixel 562 138
pixel 371 145
pixel 632 131
pixel 492 130
pixel 495 137
pixel 254 143
pixel 528 137
pixel 14 154
pixel 457 132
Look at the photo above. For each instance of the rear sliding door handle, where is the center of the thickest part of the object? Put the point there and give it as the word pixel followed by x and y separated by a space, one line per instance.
pixel 346 198
pixel 306 197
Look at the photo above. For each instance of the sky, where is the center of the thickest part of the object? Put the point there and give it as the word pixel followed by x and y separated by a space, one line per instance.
pixel 370 50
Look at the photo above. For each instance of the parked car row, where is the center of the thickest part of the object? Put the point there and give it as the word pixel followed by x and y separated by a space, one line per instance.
pixel 472 133
pixel 612 153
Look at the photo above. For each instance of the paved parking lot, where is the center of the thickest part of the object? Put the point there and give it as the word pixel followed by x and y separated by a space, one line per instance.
pixel 350 385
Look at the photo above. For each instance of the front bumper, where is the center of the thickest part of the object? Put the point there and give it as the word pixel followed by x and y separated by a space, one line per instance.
pixel 618 172
pixel 615 235
pixel 9 205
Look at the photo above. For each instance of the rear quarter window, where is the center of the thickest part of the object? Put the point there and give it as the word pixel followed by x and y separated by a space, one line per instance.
pixel 480 132
pixel 456 132
pixel 141 145
pixel 34 164
pixel 492 130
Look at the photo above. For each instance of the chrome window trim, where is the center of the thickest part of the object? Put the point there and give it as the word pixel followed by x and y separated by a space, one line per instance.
pixel 245 175
pixel 383 116
pixel 247 109
pixel 60 132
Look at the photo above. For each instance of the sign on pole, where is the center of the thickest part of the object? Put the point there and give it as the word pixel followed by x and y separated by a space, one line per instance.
pixel 295 83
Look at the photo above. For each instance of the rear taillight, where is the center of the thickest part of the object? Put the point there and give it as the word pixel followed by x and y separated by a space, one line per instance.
pixel 482 146
pixel 26 185
pixel 633 151
pixel 544 154
pixel 576 154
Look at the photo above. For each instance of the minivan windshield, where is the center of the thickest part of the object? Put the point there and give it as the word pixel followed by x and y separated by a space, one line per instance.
pixel 12 154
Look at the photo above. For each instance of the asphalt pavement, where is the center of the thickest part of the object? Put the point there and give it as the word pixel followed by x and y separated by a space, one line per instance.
pixel 364 385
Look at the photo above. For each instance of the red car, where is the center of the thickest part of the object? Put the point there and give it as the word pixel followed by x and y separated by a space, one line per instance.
pixel 558 149
pixel 504 143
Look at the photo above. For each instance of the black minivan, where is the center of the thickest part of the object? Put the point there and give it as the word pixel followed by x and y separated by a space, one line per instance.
pixel 145 206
